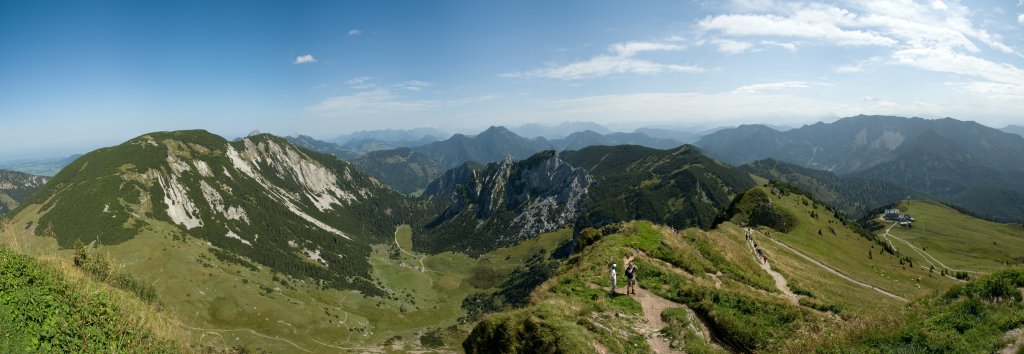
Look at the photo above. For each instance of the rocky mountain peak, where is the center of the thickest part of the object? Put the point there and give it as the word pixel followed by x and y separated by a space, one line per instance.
pixel 538 194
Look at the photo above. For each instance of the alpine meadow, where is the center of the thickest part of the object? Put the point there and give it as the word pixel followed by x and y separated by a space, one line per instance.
pixel 739 176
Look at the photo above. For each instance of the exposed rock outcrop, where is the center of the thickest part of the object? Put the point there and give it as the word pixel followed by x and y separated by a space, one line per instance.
pixel 506 202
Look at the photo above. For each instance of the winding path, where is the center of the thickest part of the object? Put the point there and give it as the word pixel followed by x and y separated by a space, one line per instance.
pixel 780 281
pixel 254 332
pixel 836 272
pixel 653 305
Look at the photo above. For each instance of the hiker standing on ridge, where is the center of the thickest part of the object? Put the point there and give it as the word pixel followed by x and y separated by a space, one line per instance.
pixel 613 278
pixel 631 277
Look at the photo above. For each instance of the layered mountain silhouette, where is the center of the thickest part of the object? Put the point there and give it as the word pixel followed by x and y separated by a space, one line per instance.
pixel 954 161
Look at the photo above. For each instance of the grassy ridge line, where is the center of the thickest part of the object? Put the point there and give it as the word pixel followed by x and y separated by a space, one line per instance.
pixel 76 295
pixel 573 312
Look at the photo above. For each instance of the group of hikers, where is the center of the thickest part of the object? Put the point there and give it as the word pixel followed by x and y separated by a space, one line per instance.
pixel 761 256
pixel 630 276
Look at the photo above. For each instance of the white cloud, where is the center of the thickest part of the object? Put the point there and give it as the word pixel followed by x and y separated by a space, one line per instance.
pixel 847 69
pixel 772 86
pixel 932 35
pixel 414 85
pixel 604 65
pixel 629 49
pixel 620 61
pixel 895 23
pixel 858 67
pixel 821 24
pixel 730 46
pixel 944 60
pixel 361 83
pixel 994 90
pixel 381 100
pixel 1005 81
pixel 354 32
pixel 787 45
pixel 303 59
pixel 1020 18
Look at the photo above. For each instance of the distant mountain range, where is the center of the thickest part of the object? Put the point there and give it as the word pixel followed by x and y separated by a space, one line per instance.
pixel 858 143
pixel 16 187
pixel 958 162
pixel 410 169
pixel 392 136
pixel 537 130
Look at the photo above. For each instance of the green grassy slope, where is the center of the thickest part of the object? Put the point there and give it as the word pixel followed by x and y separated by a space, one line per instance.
pixel 225 304
pixel 42 309
pixel 818 234
pixel 715 297
pixel 957 240
pixel 983 316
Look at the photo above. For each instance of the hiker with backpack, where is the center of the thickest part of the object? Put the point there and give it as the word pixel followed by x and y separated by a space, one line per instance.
pixel 631 276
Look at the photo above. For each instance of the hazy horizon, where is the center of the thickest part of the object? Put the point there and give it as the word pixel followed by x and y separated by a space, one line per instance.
pixel 78 76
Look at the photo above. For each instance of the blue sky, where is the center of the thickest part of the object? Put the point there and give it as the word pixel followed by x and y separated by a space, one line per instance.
pixel 78 75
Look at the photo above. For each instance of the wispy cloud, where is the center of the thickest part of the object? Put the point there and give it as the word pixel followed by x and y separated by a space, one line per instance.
pixel 729 46
pixel 933 35
pixel 947 61
pixel 361 83
pixel 414 85
pixel 858 67
pixel 865 23
pixel 303 59
pixel 786 45
pixel 354 32
pixel 772 86
pixel 821 24
pixel 620 60
pixel 629 49
pixel 1020 18
pixel 381 100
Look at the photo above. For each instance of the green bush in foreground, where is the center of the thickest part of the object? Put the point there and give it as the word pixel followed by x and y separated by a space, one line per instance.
pixel 42 312
pixel 969 318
